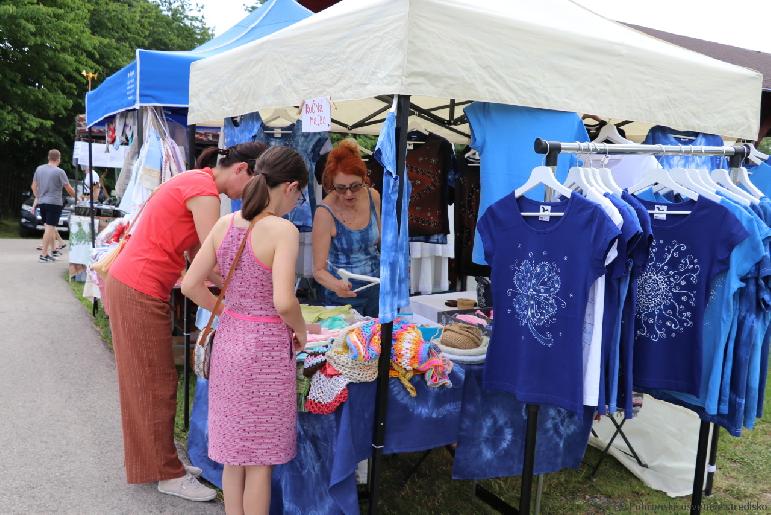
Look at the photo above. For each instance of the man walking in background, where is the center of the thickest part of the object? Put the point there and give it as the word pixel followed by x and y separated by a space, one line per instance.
pixel 47 187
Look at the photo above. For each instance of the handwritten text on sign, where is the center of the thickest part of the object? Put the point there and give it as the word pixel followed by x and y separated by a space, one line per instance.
pixel 317 115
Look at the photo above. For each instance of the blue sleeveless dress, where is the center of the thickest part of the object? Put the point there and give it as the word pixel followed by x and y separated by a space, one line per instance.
pixel 356 251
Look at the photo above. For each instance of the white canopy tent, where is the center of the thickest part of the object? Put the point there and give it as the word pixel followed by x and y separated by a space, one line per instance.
pixel 549 54
pixel 439 55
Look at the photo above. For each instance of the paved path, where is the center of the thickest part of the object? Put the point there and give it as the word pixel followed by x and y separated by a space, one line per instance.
pixel 60 440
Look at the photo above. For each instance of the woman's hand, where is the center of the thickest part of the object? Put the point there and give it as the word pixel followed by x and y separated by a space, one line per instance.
pixel 299 341
pixel 343 289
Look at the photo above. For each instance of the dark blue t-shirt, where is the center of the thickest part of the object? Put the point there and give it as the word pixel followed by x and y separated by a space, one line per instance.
pixel 639 258
pixel 541 275
pixel 672 291
pixel 616 285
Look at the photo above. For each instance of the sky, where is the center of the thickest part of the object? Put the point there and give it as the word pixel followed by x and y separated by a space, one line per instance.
pixel 742 23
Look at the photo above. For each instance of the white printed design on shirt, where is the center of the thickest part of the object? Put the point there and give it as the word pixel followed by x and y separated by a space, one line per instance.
pixel 666 291
pixel 535 300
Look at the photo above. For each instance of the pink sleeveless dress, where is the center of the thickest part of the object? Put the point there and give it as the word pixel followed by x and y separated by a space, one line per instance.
pixel 252 389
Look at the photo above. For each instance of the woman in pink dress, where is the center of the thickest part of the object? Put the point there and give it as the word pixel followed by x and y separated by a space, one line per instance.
pixel 252 398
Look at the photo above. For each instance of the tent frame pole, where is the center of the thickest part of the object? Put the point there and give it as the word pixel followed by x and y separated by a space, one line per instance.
pixel 140 134
pixel 701 463
pixel 386 329
pixel 95 302
pixel 91 186
pixel 186 301
pixel 712 468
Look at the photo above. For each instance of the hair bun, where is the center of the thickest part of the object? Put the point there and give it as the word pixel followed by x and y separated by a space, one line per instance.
pixel 344 150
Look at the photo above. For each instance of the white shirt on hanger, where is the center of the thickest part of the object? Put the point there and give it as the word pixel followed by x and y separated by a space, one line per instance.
pixel 595 309
pixel 629 169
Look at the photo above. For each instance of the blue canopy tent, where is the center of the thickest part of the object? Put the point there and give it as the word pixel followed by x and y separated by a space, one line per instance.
pixel 161 78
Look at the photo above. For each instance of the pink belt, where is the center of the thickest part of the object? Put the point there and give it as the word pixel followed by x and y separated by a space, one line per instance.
pixel 266 319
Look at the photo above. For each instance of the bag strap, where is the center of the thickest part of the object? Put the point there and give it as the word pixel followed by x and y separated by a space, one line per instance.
pixel 230 274
pixel 139 214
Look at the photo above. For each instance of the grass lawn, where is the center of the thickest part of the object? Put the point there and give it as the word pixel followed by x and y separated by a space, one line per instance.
pixel 101 322
pixel 9 228
pixel 744 472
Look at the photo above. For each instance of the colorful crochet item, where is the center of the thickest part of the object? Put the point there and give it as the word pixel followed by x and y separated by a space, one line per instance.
pixel 411 355
pixel 313 363
pixel 328 390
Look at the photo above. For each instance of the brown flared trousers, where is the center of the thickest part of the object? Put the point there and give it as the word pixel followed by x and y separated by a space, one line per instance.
pixel 147 381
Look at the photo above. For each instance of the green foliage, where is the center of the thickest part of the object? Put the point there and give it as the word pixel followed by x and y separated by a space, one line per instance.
pixel 253 4
pixel 44 47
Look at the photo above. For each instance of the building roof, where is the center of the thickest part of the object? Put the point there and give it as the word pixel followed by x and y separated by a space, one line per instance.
pixel 317 5
pixel 754 59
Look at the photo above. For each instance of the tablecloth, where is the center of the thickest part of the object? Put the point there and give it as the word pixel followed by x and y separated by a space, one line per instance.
pixel 488 427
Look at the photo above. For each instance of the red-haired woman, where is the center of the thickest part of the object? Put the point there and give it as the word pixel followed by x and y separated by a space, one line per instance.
pixel 346 232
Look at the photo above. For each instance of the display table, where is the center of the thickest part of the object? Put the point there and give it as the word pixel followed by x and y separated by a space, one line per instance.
pixel 489 429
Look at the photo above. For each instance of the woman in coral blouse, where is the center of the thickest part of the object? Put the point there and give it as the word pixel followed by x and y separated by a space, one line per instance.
pixel 178 216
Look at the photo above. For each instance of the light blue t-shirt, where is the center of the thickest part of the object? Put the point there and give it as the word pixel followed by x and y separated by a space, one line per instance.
pixel 761 178
pixel 504 136
pixel 761 305
pixel 765 207
pixel 721 310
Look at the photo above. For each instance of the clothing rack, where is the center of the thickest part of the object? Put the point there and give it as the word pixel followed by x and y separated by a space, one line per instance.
pixel 736 154
pixel 552 149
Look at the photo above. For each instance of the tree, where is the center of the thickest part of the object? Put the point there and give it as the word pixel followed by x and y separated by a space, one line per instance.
pixel 254 4
pixel 44 46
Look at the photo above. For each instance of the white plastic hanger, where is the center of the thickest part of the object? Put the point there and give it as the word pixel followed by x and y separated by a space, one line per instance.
pixel 661 176
pixel 542 175
pixel 702 175
pixel 722 177
pixel 755 155
pixel 278 115
pixel 592 174
pixel 347 276
pixel 606 177
pixel 578 179
pixel 687 178
pixel 472 154
pixel 743 179
pixel 609 132
pixel 581 178
pixel 702 178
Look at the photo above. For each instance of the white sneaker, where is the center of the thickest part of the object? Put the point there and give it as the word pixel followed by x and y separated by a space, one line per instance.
pixel 193 471
pixel 187 487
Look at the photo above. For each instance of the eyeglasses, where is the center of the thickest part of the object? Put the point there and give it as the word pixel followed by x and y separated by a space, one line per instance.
pixel 354 188
pixel 301 199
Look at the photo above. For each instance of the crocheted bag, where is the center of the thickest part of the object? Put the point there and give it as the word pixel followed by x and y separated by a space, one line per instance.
pixel 356 351
pixel 461 336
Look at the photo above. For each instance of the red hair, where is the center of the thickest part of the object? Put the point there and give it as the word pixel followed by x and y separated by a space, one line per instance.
pixel 345 159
